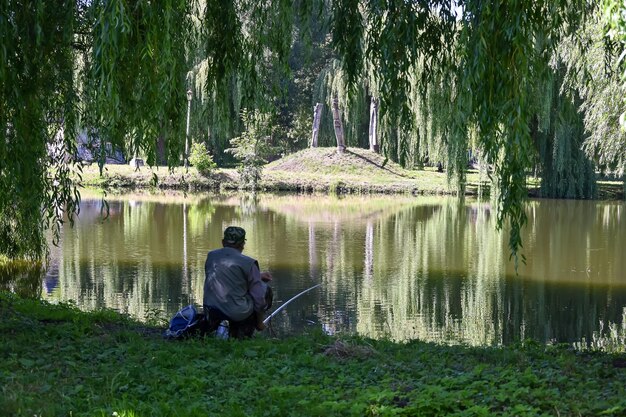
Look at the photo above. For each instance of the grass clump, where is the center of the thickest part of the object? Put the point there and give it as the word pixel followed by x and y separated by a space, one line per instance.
pixel 341 349
pixel 58 361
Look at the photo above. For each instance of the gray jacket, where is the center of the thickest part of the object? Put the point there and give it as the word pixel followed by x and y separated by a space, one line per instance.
pixel 233 283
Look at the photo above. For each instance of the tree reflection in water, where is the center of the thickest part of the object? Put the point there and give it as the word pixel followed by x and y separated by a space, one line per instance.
pixel 26 279
pixel 399 267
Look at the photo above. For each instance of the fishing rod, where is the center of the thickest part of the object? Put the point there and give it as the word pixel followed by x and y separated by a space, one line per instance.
pixel 268 318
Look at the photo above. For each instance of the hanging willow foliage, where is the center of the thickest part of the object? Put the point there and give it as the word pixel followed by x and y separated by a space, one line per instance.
pixel 38 122
pixel 488 57
pixel 615 31
pixel 593 69
pixel 504 49
pixel 476 63
pixel 119 67
pixel 135 87
pixel 243 61
pixel 566 171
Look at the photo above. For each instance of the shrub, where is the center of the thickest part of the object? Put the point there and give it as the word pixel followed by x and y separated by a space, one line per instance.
pixel 252 148
pixel 200 158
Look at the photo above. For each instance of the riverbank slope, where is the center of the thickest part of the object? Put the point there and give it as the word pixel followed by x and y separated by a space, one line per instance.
pixel 60 361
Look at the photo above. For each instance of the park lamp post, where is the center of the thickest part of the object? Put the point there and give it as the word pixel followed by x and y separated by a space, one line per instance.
pixel 186 157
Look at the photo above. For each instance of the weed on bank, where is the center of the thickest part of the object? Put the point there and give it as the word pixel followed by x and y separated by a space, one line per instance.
pixel 59 361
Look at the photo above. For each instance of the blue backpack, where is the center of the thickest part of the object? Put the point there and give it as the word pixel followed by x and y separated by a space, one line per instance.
pixel 185 323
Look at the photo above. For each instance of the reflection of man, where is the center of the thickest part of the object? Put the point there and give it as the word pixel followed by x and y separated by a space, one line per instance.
pixel 234 287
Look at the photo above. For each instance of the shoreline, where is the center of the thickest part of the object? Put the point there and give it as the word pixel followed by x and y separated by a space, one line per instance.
pixel 122 178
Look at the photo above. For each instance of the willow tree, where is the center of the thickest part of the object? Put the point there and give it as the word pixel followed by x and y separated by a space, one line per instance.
pixel 489 52
pixel 595 71
pixel 38 99
pixel 559 133
pixel 119 67
pixel 354 105
pixel 238 62
pixel 116 67
pixel 615 26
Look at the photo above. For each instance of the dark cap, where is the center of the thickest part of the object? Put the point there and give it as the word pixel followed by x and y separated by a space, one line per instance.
pixel 234 235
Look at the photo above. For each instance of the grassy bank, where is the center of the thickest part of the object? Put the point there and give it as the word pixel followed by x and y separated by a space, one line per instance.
pixel 58 361
pixel 310 170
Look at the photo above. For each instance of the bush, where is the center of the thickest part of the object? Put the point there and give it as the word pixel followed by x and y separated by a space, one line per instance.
pixel 200 158
pixel 252 148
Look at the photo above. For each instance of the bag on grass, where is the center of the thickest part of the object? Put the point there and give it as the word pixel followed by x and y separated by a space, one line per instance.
pixel 185 323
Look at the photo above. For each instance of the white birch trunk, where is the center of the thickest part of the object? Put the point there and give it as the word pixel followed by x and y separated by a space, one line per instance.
pixel 317 115
pixel 341 143
pixel 373 134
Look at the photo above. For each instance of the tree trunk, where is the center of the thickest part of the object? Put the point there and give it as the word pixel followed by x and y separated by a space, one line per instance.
pixel 161 150
pixel 341 143
pixel 317 115
pixel 374 146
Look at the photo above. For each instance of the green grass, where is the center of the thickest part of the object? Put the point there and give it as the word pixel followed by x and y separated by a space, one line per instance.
pixel 58 361
pixel 123 177
pixel 319 169
pixel 358 171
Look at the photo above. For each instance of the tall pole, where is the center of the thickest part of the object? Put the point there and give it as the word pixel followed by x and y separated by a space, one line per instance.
pixel 186 156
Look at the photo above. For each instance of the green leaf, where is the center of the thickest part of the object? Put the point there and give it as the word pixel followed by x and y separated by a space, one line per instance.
pixel 250 353
pixel 27 363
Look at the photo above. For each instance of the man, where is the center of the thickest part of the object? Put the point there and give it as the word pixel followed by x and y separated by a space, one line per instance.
pixel 234 287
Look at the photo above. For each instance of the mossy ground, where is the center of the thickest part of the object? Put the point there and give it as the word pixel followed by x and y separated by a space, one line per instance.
pixel 58 361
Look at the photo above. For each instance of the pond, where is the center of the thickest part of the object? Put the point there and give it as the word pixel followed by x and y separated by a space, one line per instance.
pixel 428 268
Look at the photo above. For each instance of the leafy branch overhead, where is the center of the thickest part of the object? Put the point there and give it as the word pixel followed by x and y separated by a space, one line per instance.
pixel 450 77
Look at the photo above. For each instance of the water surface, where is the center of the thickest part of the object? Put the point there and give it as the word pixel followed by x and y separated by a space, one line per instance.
pixel 429 268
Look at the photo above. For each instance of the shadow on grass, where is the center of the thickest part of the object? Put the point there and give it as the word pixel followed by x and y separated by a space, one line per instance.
pixel 375 164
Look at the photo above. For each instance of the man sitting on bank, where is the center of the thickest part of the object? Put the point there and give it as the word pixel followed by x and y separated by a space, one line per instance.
pixel 234 287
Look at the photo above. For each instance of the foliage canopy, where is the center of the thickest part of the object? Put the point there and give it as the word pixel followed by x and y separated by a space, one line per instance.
pixel 119 70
